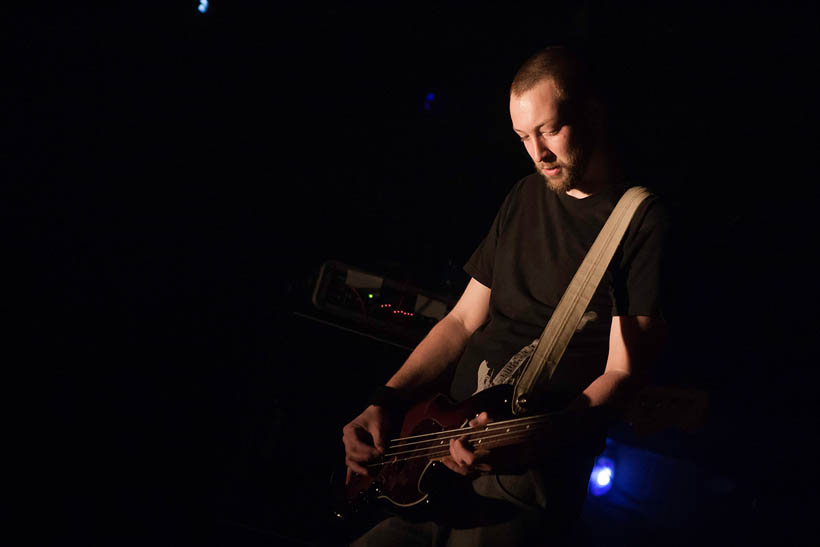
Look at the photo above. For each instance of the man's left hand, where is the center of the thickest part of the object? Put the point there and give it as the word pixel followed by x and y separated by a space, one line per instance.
pixel 463 459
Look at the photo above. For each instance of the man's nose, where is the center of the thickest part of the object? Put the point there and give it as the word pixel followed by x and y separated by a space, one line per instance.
pixel 540 150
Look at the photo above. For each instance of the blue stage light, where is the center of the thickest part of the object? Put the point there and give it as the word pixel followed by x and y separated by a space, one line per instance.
pixel 600 481
pixel 428 100
pixel 203 6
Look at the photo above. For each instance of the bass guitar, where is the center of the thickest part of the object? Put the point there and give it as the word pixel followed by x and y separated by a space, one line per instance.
pixel 410 470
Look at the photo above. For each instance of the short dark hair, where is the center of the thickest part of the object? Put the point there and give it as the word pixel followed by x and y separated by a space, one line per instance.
pixel 568 69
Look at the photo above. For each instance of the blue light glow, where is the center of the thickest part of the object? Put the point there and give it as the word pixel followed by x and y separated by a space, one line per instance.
pixel 428 100
pixel 600 481
pixel 203 6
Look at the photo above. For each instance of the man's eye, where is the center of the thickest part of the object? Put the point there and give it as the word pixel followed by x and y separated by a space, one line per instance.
pixel 523 138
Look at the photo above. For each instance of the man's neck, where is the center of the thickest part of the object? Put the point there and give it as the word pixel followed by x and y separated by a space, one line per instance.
pixel 601 173
pixel 587 190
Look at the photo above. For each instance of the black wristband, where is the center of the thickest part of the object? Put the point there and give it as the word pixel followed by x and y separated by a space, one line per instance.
pixel 388 398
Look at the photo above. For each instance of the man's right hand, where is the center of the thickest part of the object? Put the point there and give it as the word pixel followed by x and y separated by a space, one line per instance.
pixel 365 439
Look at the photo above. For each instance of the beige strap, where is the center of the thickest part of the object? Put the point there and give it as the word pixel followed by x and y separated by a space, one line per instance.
pixel 575 300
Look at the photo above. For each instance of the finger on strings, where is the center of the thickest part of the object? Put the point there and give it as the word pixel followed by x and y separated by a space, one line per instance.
pixel 481 419
pixel 378 441
pixel 361 451
pixel 460 453
pixel 481 453
pixel 356 467
pixel 453 466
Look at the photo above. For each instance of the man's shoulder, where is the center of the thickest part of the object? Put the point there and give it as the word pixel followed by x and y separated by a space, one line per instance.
pixel 523 191
pixel 532 183
pixel 528 187
pixel 653 211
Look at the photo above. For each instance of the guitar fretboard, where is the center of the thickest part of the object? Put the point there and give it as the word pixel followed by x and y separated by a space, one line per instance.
pixel 437 445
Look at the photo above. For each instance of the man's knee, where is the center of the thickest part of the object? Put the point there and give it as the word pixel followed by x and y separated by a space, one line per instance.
pixel 395 531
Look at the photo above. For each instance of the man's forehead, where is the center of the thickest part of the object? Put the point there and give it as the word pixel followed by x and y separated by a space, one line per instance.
pixel 536 106
pixel 545 85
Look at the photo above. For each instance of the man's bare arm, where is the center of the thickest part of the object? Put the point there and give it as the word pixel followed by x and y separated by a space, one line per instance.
pixel 635 343
pixel 364 436
pixel 445 342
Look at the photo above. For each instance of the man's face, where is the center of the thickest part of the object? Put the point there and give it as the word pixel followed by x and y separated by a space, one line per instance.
pixel 559 149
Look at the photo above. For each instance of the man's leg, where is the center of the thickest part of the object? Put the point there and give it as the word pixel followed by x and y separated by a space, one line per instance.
pixel 399 532
pixel 544 507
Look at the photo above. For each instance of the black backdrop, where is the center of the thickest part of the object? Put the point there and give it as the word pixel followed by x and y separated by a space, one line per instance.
pixel 172 182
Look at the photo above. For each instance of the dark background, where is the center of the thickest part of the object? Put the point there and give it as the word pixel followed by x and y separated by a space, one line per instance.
pixel 172 183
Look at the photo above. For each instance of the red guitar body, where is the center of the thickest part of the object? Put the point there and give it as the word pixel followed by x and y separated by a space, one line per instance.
pixel 406 484
pixel 411 476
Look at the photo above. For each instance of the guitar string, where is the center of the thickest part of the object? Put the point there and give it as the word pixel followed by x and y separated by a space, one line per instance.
pixel 437 450
pixel 432 451
pixel 446 449
pixel 442 453
pixel 499 440
pixel 454 434
pixel 491 424
pixel 469 433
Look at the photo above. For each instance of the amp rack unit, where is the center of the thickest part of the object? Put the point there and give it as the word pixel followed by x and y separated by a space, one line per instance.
pixel 382 305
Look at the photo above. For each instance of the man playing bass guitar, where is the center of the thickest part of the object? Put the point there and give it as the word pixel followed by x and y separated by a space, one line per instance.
pixel 532 494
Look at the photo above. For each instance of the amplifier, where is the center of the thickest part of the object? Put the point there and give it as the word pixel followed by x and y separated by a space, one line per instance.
pixel 380 304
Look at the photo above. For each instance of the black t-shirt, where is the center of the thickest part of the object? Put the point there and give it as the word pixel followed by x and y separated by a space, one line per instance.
pixel 535 245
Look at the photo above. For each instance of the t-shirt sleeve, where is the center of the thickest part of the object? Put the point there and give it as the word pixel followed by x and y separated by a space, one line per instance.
pixel 480 264
pixel 640 285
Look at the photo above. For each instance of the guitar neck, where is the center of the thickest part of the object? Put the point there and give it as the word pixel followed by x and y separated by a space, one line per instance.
pixel 507 432
pixel 496 434
pixel 651 412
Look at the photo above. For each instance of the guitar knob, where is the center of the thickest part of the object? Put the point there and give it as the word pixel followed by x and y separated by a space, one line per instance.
pixel 522 400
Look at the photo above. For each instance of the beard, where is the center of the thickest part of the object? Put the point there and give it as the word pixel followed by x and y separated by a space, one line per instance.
pixel 565 180
pixel 573 165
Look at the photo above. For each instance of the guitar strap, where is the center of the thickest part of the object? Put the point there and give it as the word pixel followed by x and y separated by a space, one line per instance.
pixel 567 315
